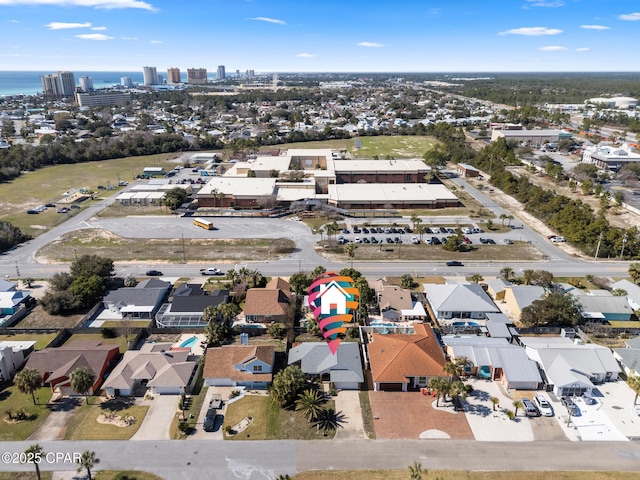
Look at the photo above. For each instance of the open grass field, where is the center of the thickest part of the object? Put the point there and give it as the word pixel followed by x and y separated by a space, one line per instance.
pixel 461 475
pixel 84 424
pixel 271 422
pixel 106 244
pixel 41 339
pixel 120 340
pixel 38 318
pixel 132 474
pixel 12 399
pixel 47 185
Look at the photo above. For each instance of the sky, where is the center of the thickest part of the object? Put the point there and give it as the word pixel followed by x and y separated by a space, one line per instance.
pixel 321 35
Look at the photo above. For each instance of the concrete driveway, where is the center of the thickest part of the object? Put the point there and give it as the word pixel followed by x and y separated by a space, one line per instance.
pixel 55 425
pixel 156 423
pixel 200 434
pixel 348 404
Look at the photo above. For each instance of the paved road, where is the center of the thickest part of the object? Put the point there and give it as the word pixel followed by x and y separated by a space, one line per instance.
pixel 178 460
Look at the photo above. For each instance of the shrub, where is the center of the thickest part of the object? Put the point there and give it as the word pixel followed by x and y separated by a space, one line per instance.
pixel 108 332
pixel 184 428
pixel 234 394
pixel 229 430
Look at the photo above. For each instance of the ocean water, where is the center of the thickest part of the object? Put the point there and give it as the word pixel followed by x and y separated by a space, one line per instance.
pixel 28 83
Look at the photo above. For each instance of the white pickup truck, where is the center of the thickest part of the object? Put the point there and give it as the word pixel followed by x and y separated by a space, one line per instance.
pixel 211 271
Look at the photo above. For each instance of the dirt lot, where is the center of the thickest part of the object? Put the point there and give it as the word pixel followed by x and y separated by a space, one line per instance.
pixel 38 318
pixel 107 244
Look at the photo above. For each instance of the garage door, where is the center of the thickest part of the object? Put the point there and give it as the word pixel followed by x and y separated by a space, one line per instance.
pixel 391 387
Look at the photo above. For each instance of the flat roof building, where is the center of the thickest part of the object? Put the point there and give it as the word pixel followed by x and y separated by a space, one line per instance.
pixel 391 195
pixel 94 99
pixel 197 76
pixel 609 157
pixel 535 137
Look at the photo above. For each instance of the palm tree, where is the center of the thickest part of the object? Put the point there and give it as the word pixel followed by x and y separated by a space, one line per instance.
pixel 634 272
pixel 440 386
pixel 634 383
pixel 476 278
pixel 350 249
pixel 517 404
pixel 527 276
pixel 28 381
pixel 503 217
pixel 87 460
pixel 34 453
pixel 452 369
pixel 309 403
pixel 421 230
pixel 494 401
pixel 416 220
pixel 82 379
pixel 416 471
pixel 506 273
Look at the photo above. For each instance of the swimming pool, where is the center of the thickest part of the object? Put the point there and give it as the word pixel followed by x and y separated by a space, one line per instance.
pixel 189 343
pixel 465 324
pixel 381 324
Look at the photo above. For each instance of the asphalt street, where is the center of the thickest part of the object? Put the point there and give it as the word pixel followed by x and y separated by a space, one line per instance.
pixel 195 460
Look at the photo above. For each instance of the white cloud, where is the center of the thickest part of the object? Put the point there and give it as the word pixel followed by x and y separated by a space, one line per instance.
pixel 543 3
pixel 306 55
pixel 370 44
pixel 583 49
pixel 156 41
pixel 595 27
pixel 63 25
pixel 94 36
pixel 553 48
pixel 632 17
pixel 98 28
pixel 532 31
pixel 107 4
pixel 129 38
pixel 14 21
pixel 268 20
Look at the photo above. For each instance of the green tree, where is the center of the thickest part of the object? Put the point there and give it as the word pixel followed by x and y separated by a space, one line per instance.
pixel 517 404
pixel 130 281
pixel 634 383
pixel 87 290
pixel 317 271
pixel 287 384
pixel 87 460
pixel 35 453
pixel 440 386
pixel 437 158
pixel 88 265
pixel 82 379
pixel 216 333
pixel 300 282
pixel 350 250
pixel 351 272
pixel 174 198
pixel 527 276
pixel 310 404
pixel 416 221
pixel 634 272
pixel 453 370
pixel 476 278
pixel 28 381
pixel 506 273
pixel 416 471
pixel 407 281
pixel 555 310
pixel 455 243
pixel 367 294
pixel 495 401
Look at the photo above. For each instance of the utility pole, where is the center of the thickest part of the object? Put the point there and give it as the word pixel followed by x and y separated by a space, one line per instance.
pixel 184 254
pixel 624 240
pixel 598 247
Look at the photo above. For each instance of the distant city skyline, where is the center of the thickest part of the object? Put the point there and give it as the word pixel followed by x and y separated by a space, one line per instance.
pixel 329 36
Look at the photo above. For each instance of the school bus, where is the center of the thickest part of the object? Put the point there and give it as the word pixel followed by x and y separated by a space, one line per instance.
pixel 202 223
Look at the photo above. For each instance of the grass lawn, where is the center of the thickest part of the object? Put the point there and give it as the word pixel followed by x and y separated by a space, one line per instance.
pixel 460 475
pixel 133 323
pixel 47 185
pixel 107 244
pixel 26 475
pixel 112 475
pixel 120 340
pixel 41 339
pixel 367 416
pixel 12 399
pixel 270 422
pixel 84 425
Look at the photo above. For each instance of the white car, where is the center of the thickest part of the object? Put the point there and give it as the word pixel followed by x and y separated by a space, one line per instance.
pixel 545 407
pixel 558 239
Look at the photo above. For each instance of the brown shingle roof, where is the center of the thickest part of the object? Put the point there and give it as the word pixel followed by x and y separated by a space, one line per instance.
pixel 261 301
pixel 394 357
pixel 220 362
pixel 278 283
pixel 392 296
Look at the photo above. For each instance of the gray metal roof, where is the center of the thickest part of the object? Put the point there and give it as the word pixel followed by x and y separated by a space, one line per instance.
pixel 525 295
pixel 459 297
pixel 498 330
pixel 316 358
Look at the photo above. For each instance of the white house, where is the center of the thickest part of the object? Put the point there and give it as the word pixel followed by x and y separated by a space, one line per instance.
pixel 459 301
pixel 12 357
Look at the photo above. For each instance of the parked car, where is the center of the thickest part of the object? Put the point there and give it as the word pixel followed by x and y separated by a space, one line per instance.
pixel 75 207
pixel 50 205
pixel 571 407
pixel 62 210
pixel 374 240
pixel 508 241
pixel 365 230
pixel 33 211
pixel 123 183
pixel 388 240
pixel 154 273
pixel 210 420
pixel 530 409
pixel 356 230
pixel 543 406
pixel 365 240
pixel 454 263
pixel 558 239
pixel 415 240
pixel 435 241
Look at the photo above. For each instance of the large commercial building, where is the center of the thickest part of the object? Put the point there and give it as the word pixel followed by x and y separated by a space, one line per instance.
pixel 197 76
pixel 173 75
pixel 150 76
pixel 59 84
pixel 609 157
pixel 94 99
pixel 319 175
pixel 86 83
pixel 220 74
pixel 533 137
pixel 613 102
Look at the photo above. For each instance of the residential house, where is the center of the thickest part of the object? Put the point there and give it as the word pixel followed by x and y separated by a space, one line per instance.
pixel 239 365
pixel 633 292
pixel 601 305
pixel 397 303
pixel 403 361
pixel 55 365
pixel 571 368
pixel 458 302
pixel 11 298
pixel 155 366
pixel 140 302
pixel 497 288
pixel 498 325
pixel 187 306
pixel 517 297
pixel 269 304
pixel 344 369
pixel 494 359
pixel 13 355
pixel 629 356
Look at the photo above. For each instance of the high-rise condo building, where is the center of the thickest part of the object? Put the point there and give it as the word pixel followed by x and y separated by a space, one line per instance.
pixel 126 82
pixel 173 75
pixel 197 76
pixel 59 84
pixel 86 83
pixel 150 76
pixel 250 73
pixel 220 75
